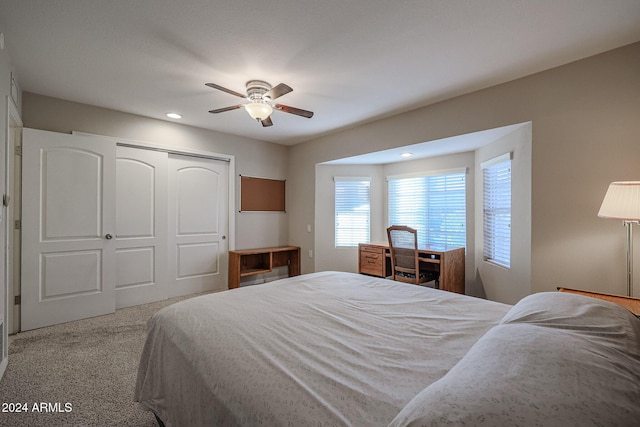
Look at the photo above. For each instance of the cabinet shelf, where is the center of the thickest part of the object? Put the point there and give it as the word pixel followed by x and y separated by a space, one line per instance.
pixel 249 262
pixel 429 260
pixel 244 272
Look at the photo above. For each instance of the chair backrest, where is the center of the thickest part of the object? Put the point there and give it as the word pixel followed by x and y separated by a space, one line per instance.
pixel 403 245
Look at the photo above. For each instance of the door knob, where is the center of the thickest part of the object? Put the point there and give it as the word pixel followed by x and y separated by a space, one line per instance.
pixel 108 236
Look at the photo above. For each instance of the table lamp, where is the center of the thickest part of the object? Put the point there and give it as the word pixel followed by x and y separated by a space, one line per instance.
pixel 622 201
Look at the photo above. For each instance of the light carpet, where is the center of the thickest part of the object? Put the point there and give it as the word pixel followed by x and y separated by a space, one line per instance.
pixel 79 373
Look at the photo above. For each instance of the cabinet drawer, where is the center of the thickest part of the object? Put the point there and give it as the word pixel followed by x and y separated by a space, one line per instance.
pixel 372 249
pixel 371 263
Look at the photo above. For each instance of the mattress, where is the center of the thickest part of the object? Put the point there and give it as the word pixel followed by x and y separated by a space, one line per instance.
pixel 326 348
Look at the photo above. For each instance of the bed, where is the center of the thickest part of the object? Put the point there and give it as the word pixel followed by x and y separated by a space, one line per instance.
pixel 335 348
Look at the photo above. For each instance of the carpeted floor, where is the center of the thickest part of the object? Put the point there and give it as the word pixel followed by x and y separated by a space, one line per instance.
pixel 79 373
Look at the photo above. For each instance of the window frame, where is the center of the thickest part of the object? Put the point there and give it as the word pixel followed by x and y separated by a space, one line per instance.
pixel 352 239
pixel 496 246
pixel 422 220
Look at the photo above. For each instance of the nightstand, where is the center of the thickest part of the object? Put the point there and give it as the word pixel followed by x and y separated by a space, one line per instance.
pixel 631 304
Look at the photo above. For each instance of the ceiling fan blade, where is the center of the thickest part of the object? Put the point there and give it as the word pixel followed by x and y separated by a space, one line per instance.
pixel 224 89
pixel 266 122
pixel 278 91
pixel 222 110
pixel 293 110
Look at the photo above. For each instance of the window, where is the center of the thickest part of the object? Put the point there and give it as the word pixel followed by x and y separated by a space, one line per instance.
pixel 496 187
pixel 435 205
pixel 353 200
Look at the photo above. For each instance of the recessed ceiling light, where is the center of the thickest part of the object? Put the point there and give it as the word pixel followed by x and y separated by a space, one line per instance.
pixel 174 116
pixel 406 154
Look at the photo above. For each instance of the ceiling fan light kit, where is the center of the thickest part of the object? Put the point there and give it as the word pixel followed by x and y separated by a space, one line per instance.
pixel 258 110
pixel 260 95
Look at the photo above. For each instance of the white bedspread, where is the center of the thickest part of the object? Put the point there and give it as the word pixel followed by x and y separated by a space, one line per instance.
pixel 555 360
pixel 321 349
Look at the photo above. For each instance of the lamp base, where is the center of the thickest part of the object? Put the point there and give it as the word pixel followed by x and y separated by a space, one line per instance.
pixel 629 226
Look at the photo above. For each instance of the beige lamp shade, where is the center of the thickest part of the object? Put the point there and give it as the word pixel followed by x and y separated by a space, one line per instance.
pixel 622 201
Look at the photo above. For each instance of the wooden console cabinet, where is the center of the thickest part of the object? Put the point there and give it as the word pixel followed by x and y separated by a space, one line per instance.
pixel 249 262
pixel 375 260
pixel 631 304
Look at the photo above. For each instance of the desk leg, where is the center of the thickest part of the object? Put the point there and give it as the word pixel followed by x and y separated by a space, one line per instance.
pixel 452 272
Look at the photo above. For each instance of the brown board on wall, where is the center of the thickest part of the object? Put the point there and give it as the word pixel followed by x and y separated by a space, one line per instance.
pixel 261 194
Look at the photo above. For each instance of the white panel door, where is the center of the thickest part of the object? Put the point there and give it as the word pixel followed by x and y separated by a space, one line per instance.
pixel 141 226
pixel 68 258
pixel 198 223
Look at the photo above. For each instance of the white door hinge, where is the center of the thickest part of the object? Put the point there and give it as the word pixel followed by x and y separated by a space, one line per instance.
pixel 18 150
pixel 17 225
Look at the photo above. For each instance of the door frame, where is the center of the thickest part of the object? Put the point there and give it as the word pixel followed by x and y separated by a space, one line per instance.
pixel 12 122
pixel 13 213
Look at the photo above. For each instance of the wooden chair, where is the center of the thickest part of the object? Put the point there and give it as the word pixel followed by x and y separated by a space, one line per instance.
pixel 405 263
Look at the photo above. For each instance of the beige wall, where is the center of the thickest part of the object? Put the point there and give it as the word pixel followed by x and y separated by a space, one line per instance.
pixel 482 279
pixel 585 134
pixel 507 285
pixel 327 256
pixel 253 158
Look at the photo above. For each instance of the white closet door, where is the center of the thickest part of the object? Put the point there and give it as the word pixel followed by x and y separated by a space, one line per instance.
pixel 141 226
pixel 68 257
pixel 198 206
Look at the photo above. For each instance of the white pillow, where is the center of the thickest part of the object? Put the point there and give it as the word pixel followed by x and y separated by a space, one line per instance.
pixel 566 310
pixel 556 359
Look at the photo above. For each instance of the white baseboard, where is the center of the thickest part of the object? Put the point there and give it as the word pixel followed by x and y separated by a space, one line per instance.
pixel 3 366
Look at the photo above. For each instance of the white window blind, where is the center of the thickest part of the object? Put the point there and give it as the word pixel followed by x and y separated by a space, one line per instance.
pixel 353 211
pixel 435 205
pixel 497 210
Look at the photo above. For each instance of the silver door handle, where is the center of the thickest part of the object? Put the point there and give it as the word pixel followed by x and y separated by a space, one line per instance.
pixel 108 236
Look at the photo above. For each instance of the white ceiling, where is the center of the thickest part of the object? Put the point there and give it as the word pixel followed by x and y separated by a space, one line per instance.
pixel 350 62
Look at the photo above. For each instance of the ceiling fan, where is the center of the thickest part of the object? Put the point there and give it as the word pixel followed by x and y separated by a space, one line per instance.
pixel 260 106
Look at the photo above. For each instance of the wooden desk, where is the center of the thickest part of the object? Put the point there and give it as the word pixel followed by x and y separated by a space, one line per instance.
pixel 631 304
pixel 374 259
pixel 249 262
